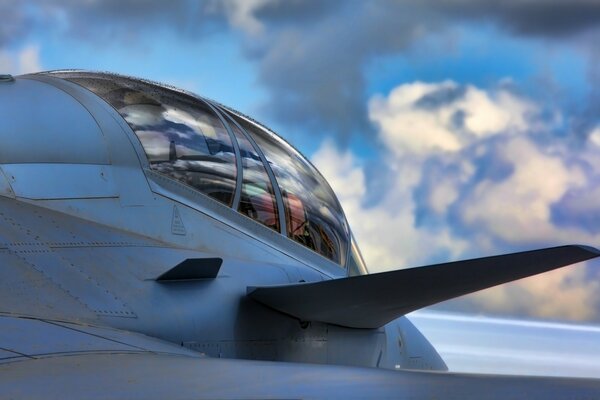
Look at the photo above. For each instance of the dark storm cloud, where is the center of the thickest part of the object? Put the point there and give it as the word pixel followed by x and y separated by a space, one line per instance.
pixel 551 18
pixel 297 11
pixel 313 64
pixel 315 71
pixel 311 55
pixel 13 22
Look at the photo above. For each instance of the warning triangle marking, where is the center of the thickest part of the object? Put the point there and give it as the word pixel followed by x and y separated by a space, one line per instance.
pixel 177 227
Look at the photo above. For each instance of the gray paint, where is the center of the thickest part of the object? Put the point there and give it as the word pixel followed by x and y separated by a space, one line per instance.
pixel 34 337
pixel 48 181
pixel 45 125
pixel 38 338
pixel 79 259
pixel 5 187
pixel 145 376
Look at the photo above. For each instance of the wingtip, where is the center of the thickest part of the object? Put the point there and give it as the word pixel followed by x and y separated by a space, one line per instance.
pixel 594 252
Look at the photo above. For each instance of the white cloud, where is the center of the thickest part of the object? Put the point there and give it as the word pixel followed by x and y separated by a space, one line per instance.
pixel 488 114
pixel 240 14
pixel 29 60
pixel 442 196
pixel 403 127
pixel 562 293
pixel 6 62
pixel 518 208
pixel 594 136
pixel 23 61
pixel 347 178
pixel 387 233
pixel 486 185
pixel 454 118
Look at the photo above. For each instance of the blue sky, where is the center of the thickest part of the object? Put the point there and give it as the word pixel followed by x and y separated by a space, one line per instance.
pixel 450 129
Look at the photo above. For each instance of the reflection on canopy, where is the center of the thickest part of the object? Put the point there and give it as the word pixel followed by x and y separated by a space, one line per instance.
pixel 314 217
pixel 181 135
pixel 186 139
pixel 257 199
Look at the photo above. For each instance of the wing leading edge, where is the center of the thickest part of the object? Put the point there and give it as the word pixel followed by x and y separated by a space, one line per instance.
pixel 371 301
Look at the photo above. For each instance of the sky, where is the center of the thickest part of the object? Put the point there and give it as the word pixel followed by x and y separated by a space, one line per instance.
pixel 483 344
pixel 449 129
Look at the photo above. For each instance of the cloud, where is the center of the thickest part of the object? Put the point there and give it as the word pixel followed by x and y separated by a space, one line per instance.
pixel 548 18
pixel 23 61
pixel 350 183
pixel 132 23
pixel 241 14
pixel 420 117
pixel 29 60
pixel 460 163
pixel 387 233
pixel 14 22
pixel 314 69
pixel 594 136
pixel 518 208
pixel 492 183
pixel 566 293
pixel 311 55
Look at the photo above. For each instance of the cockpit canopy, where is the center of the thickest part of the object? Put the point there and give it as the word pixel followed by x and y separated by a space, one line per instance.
pixel 232 159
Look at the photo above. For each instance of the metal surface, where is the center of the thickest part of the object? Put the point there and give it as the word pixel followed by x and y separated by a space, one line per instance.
pixel 134 186
pixel 125 150
pixel 6 354
pixel 371 301
pixel 246 228
pixel 5 188
pixel 146 376
pixel 61 181
pixel 192 269
pixel 42 124
pixel 32 338
pixel 85 230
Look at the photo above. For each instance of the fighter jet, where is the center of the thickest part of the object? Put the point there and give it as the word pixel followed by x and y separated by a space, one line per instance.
pixel 156 244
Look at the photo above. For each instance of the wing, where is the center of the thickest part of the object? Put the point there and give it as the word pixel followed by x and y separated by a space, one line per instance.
pixel 46 359
pixel 371 301
pixel 62 280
